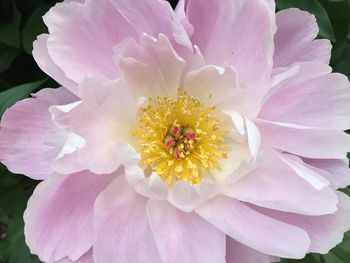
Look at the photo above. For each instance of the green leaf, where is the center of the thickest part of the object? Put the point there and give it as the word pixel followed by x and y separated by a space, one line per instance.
pixel 9 97
pixel 331 258
pixel 34 26
pixel 26 8
pixel 7 56
pixel 346 191
pixel 311 258
pixel 314 7
pixel 14 193
pixel 339 14
pixel 10 31
pixel 4 85
pixel 6 10
pixel 342 65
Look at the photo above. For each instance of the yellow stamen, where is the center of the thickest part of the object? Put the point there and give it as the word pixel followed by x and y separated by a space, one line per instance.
pixel 180 138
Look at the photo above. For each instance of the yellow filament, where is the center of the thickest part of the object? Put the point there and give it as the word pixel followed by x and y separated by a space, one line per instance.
pixel 195 157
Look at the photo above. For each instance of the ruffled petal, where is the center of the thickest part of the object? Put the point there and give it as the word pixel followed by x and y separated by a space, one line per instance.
pixel 295 39
pixel 104 119
pixel 151 186
pixel 59 216
pixel 151 67
pixel 220 86
pixel 238 253
pixel 123 231
pixel 184 237
pixel 83 53
pixel 247 226
pixel 325 231
pixel 25 128
pixel 238 34
pixel 212 84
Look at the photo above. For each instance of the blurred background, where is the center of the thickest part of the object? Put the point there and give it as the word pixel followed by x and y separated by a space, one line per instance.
pixel 20 23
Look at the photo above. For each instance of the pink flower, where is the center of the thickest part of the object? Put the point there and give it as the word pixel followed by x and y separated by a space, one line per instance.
pixel 210 134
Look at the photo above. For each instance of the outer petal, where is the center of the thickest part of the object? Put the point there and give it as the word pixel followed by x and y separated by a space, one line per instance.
pixel 307 99
pixel 80 52
pixel 325 231
pixel 304 141
pixel 123 231
pixel 315 177
pixel 338 170
pixel 238 253
pixel 184 237
pixel 236 33
pixel 86 258
pixel 59 216
pixel 275 185
pixel 295 39
pixel 24 129
pixel 42 57
pixel 248 227
pixel 104 119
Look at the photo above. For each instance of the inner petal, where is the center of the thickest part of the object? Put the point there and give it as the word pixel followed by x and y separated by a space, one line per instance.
pixel 180 138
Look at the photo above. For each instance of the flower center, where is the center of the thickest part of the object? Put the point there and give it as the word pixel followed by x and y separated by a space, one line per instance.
pixel 180 138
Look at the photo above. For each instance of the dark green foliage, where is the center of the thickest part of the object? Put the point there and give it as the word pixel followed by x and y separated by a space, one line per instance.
pixel 15 191
pixel 20 23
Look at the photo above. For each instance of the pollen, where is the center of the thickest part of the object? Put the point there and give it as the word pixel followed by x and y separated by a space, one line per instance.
pixel 180 138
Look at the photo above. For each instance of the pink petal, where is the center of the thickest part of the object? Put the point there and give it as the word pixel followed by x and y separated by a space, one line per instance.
pixel 24 129
pixel 295 39
pixel 123 231
pixel 325 231
pixel 152 67
pixel 86 258
pixel 43 59
pixel 187 197
pixel 80 53
pixel 338 170
pixel 239 34
pixel 238 253
pixel 211 83
pixel 275 185
pixel 254 138
pixel 313 176
pixel 306 99
pixel 219 86
pixel 254 229
pixel 181 15
pixel 59 216
pixel 304 141
pixel 184 237
pixel 104 120
pixel 151 186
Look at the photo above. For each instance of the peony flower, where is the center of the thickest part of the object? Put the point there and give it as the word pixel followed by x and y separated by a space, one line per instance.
pixel 212 133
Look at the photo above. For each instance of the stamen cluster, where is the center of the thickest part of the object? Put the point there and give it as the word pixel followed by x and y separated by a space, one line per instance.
pixel 180 138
